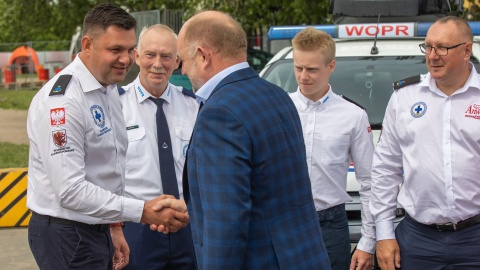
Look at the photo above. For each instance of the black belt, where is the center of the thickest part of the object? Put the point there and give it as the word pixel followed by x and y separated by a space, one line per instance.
pixel 96 227
pixel 450 227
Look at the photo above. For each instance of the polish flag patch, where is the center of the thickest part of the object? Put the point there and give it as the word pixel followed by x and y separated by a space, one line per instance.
pixel 57 116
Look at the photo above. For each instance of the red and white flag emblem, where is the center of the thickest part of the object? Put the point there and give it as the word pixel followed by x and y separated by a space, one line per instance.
pixel 57 116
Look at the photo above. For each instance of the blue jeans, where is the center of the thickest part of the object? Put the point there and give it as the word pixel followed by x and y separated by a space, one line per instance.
pixel 427 248
pixel 334 224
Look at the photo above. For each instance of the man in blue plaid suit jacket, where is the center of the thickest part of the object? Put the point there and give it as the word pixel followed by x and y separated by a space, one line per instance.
pixel 249 196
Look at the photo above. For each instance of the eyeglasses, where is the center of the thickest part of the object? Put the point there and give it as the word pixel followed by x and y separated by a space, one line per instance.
pixel 439 50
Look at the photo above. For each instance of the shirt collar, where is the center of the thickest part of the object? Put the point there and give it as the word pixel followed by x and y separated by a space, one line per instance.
pixel 306 102
pixel 472 82
pixel 86 79
pixel 143 94
pixel 206 90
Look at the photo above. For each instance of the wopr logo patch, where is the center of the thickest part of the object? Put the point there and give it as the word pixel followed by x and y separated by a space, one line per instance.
pixel 98 115
pixel 418 109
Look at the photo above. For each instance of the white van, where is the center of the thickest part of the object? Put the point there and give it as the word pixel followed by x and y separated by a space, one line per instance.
pixel 365 71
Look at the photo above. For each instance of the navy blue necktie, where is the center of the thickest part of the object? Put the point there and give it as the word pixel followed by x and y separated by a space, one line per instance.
pixel 165 154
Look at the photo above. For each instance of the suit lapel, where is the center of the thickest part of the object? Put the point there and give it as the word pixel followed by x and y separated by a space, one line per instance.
pixel 239 75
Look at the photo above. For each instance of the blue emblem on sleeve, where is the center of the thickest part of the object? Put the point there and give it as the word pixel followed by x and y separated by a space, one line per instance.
pixel 98 115
pixel 418 109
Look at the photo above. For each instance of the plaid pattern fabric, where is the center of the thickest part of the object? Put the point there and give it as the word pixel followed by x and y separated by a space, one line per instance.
pixel 250 202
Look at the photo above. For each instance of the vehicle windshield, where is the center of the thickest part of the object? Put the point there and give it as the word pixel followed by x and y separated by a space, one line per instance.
pixel 366 80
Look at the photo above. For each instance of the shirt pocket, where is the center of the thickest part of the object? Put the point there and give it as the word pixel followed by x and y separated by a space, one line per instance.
pixel 135 139
pixel 334 148
pixel 182 138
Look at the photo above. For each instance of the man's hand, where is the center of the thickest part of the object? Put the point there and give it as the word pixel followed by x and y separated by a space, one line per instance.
pixel 163 218
pixel 121 255
pixel 361 260
pixel 388 254
pixel 178 205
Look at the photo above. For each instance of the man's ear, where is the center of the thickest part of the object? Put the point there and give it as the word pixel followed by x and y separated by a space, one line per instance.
pixel 177 63
pixel 332 65
pixel 204 55
pixel 87 43
pixel 137 55
pixel 468 51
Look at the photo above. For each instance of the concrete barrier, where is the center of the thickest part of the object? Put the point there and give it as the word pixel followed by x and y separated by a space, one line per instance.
pixel 13 198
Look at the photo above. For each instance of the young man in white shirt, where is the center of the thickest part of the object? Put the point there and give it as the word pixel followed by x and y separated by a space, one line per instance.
pixel 146 177
pixel 335 131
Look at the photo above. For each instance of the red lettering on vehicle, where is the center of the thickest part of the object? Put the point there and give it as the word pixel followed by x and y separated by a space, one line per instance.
pixel 386 28
pixel 354 29
pixel 403 29
pixel 371 33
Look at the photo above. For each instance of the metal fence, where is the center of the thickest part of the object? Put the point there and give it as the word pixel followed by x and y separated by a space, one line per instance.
pixel 29 65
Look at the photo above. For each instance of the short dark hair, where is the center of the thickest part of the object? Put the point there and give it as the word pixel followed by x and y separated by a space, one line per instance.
pixel 461 24
pixel 105 15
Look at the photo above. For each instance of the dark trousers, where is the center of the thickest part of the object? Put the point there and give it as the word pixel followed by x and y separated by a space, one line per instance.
pixel 157 251
pixel 335 233
pixel 62 246
pixel 427 248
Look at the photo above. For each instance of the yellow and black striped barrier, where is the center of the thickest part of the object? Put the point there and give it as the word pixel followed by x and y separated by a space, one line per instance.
pixel 13 198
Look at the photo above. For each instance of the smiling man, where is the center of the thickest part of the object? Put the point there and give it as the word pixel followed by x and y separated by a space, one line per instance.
pixel 427 160
pixel 77 154
pixel 156 150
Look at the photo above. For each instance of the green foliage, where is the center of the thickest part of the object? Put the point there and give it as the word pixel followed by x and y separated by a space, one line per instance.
pixel 56 20
pixel 255 14
pixel 16 99
pixel 13 155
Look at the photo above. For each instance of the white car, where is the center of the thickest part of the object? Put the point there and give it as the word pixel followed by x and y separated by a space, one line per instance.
pixel 365 71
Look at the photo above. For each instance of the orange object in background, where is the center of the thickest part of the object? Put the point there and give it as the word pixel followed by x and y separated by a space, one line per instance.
pixel 57 70
pixel 23 55
pixel 9 74
pixel 43 74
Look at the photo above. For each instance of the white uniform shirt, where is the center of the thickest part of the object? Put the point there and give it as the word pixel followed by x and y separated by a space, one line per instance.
pixel 436 140
pixel 78 144
pixel 143 180
pixel 334 131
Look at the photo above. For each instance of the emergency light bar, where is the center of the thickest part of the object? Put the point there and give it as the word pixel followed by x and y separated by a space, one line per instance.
pixel 385 30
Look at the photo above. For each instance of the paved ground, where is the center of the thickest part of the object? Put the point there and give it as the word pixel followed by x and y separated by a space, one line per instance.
pixel 14 251
pixel 13 126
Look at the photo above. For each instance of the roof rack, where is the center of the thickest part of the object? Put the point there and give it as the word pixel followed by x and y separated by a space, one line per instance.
pixel 367 11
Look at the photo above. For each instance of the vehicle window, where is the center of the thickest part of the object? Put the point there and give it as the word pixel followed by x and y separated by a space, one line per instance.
pixel 366 80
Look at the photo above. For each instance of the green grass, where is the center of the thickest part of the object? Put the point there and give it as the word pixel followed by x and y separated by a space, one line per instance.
pixel 13 155
pixel 16 99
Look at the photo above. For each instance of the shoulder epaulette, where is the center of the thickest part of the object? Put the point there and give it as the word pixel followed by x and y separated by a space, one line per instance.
pixel 188 92
pixel 121 91
pixel 410 80
pixel 60 85
pixel 349 100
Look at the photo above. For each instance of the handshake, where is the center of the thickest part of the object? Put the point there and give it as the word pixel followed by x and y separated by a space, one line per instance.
pixel 165 214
